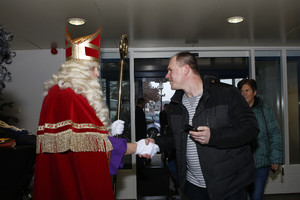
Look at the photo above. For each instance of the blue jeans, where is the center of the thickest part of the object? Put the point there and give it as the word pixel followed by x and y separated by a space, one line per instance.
pixel 197 193
pixel 257 189
pixel 173 168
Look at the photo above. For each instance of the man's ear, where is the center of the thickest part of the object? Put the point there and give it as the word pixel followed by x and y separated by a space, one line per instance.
pixel 187 69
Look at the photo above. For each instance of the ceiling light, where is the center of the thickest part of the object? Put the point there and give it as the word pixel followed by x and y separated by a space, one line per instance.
pixel 235 20
pixel 76 21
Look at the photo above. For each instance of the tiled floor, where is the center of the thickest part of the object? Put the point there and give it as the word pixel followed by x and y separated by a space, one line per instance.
pixel 282 197
pixel 156 163
pixel 266 197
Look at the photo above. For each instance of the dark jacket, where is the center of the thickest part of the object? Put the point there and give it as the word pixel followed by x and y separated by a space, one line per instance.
pixel 163 121
pixel 227 162
pixel 268 146
pixel 140 124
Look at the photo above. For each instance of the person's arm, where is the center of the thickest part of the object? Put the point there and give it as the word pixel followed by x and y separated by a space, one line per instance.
pixel 131 148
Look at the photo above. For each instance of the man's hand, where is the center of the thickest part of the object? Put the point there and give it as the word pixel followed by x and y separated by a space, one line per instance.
pixel 202 135
pixel 146 150
pixel 148 140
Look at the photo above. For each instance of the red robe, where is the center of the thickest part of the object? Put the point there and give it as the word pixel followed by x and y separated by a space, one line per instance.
pixel 72 161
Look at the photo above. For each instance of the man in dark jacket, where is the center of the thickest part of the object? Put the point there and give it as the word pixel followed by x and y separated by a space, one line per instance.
pixel 140 119
pixel 215 160
pixel 163 119
pixel 141 132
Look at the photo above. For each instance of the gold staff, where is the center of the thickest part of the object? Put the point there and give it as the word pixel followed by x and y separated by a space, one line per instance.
pixel 123 48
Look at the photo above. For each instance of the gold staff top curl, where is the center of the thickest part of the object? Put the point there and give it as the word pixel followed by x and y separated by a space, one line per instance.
pixel 123 47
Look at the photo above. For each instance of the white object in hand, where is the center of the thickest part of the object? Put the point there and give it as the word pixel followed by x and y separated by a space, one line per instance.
pixel 143 149
pixel 117 127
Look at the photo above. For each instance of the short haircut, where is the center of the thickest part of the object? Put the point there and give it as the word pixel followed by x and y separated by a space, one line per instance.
pixel 140 100
pixel 250 82
pixel 187 58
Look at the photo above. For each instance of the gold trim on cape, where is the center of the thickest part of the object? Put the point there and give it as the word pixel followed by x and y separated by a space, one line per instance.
pixel 70 122
pixel 76 142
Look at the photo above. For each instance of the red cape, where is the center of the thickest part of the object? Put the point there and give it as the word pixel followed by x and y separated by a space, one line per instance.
pixel 72 150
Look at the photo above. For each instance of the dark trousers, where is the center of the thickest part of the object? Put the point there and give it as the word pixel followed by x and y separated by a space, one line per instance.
pixel 197 193
pixel 140 164
pixel 256 190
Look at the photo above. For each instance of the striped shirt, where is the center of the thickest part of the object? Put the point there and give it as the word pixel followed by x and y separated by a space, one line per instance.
pixel 194 173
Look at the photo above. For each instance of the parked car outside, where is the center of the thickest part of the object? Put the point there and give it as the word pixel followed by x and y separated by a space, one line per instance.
pixel 153 126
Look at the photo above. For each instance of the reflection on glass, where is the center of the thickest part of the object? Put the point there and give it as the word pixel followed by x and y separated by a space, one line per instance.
pixel 268 79
pixel 293 73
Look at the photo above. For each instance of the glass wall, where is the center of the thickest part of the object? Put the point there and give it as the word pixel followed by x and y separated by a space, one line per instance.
pixel 269 79
pixel 293 85
pixel 110 73
pixel 148 75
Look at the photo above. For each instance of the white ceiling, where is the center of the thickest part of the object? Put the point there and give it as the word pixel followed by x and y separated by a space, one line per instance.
pixel 36 24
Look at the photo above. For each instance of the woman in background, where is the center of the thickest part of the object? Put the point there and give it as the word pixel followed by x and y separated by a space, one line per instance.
pixel 267 149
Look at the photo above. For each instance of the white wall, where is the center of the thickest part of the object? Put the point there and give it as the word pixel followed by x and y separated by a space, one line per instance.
pixel 29 70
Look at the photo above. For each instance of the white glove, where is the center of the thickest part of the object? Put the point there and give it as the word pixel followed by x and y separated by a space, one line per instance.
pixel 117 127
pixel 143 149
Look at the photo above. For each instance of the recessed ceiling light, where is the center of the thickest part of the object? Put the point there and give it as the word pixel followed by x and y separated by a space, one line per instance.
pixel 76 21
pixel 235 19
